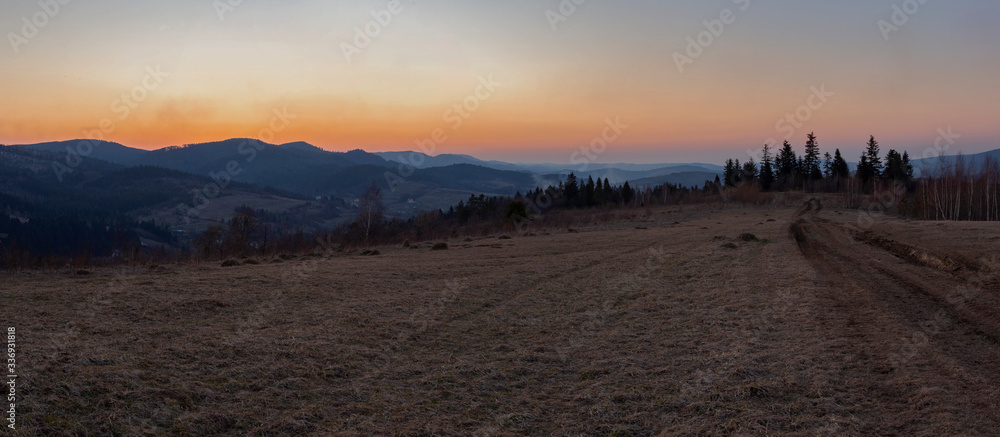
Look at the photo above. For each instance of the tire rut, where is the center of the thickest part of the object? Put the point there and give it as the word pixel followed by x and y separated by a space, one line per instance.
pixel 918 313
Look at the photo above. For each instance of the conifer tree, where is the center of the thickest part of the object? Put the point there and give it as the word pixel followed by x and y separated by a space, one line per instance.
pixel 589 192
pixel 787 167
pixel 749 172
pixel 766 170
pixel 571 189
pixel 873 157
pixel 839 169
pixel 810 161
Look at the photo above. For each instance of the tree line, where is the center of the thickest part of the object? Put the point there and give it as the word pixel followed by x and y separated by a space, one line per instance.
pixel 952 190
pixel 812 172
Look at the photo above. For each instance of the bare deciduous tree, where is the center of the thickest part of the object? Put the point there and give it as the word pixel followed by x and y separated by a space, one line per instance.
pixel 371 211
pixel 241 231
pixel 209 241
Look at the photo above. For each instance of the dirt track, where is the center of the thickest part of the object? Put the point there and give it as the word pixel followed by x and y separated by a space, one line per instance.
pixel 942 374
pixel 664 324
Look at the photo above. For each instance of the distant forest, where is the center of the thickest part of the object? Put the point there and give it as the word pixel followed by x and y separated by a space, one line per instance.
pixel 83 229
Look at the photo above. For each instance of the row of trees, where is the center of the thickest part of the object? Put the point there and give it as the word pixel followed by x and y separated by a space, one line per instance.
pixel 811 172
pixel 956 191
pixel 576 193
pixel 246 234
pixel 249 233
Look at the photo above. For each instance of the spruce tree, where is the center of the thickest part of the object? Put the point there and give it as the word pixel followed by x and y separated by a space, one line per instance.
pixel 571 189
pixel 894 166
pixel 749 173
pixel 865 172
pixel 839 167
pixel 787 167
pixel 627 193
pixel 766 171
pixel 729 173
pixel 810 160
pixel 871 152
pixel 589 192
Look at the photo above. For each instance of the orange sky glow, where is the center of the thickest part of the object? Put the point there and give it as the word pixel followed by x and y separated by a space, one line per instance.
pixel 501 81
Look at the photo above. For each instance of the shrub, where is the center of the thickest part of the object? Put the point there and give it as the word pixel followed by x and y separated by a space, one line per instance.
pixel 516 211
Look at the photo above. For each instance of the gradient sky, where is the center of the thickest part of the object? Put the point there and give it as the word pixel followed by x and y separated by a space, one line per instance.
pixel 607 59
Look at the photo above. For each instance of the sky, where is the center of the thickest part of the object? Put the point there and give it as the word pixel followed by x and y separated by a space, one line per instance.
pixel 515 80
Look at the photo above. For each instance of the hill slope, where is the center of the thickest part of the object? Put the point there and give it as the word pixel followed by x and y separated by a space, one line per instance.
pixel 103 150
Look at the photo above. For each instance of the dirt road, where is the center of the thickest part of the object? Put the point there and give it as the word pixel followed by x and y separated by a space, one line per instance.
pixel 924 317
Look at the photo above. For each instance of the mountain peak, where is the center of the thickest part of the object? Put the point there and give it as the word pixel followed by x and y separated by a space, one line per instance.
pixel 302 145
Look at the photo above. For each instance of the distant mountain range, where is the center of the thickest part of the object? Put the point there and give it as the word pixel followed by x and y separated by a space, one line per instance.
pixel 925 165
pixel 316 185
pixel 103 150
pixel 413 181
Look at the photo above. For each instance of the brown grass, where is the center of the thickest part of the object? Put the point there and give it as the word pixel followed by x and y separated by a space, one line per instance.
pixel 608 331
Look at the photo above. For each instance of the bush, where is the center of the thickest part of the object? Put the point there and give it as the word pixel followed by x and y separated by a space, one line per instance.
pixel 516 211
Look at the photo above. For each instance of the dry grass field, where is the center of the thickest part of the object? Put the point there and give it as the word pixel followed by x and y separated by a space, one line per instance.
pixel 668 324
